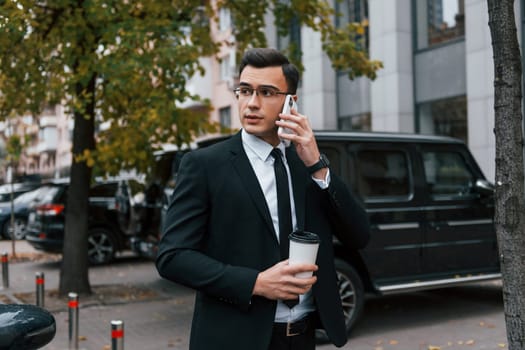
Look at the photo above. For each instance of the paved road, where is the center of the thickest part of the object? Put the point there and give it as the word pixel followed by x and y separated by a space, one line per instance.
pixel 468 317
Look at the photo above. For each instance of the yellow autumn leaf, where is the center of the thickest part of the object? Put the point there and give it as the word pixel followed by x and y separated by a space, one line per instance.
pixel 433 347
pixel 501 345
pixel 470 342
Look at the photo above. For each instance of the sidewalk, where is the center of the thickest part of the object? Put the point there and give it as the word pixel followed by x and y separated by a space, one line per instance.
pixel 157 314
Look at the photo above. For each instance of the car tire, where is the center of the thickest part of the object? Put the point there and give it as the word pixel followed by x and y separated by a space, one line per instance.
pixel 101 246
pixel 20 225
pixel 352 295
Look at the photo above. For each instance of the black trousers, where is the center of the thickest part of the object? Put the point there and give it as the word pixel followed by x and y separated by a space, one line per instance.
pixel 303 341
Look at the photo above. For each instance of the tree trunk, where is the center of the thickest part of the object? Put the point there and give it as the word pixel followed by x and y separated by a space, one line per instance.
pixel 74 275
pixel 510 211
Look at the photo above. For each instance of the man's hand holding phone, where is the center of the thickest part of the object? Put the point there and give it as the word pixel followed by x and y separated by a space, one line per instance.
pixel 296 127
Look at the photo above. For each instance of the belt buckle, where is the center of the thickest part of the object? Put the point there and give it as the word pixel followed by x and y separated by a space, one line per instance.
pixel 289 330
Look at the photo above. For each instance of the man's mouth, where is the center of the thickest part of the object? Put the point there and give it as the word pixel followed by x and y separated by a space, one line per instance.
pixel 252 117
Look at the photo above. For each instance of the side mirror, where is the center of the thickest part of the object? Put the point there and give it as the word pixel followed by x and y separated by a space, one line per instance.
pixel 484 187
pixel 25 327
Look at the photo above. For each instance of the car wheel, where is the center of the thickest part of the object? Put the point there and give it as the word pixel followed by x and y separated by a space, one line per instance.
pixel 101 246
pixel 20 225
pixel 352 295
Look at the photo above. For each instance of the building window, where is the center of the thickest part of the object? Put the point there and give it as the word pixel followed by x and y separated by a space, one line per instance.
pixel 292 41
pixel 49 110
pixel 225 19
pixel 225 118
pixel 444 117
pixel 361 122
pixel 354 11
pixel 227 67
pixel 439 21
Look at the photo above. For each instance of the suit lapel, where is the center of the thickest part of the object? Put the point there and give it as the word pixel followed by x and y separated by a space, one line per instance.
pixel 299 177
pixel 242 166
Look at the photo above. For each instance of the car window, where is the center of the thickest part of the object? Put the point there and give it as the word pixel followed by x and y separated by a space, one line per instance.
pixel 43 194
pixel 48 194
pixel 447 174
pixel 382 174
pixel 7 188
pixel 103 190
pixel 136 187
pixel 28 196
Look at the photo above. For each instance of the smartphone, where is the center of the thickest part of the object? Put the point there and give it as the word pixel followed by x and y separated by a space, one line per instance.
pixel 289 103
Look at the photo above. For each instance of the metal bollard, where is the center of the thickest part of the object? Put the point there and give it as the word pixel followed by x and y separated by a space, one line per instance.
pixel 117 335
pixel 73 321
pixel 39 279
pixel 5 270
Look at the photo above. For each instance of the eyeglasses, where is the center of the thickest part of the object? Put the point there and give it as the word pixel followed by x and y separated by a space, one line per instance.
pixel 263 91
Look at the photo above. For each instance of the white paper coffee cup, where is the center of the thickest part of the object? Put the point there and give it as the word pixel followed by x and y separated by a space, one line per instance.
pixel 303 250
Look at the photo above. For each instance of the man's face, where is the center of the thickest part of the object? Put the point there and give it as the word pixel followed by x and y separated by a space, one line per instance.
pixel 258 113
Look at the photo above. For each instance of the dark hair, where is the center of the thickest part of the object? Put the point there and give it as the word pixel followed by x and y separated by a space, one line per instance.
pixel 261 57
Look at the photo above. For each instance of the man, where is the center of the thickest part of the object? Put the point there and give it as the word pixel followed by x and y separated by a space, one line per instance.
pixel 221 234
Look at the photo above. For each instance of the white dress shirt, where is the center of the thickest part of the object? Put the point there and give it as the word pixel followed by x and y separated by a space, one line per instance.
pixel 258 152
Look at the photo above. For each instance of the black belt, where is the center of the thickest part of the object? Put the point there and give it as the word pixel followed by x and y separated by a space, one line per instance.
pixel 291 329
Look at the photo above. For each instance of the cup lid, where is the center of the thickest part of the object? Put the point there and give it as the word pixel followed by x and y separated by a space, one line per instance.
pixel 304 237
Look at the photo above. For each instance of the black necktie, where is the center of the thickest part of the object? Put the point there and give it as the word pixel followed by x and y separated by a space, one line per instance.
pixel 284 209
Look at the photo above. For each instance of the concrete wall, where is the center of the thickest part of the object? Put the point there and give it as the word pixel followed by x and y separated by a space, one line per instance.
pixel 392 102
pixel 479 83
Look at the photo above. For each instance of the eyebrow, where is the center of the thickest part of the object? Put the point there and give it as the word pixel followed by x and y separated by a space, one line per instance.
pixel 264 86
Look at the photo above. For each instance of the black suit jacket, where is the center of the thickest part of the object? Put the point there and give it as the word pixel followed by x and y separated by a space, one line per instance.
pixel 218 235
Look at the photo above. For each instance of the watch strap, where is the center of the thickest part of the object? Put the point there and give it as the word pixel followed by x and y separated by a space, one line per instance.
pixel 321 163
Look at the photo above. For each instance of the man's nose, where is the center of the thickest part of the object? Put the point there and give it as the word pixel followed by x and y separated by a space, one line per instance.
pixel 254 99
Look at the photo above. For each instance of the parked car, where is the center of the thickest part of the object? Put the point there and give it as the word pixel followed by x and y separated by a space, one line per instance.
pixel 21 206
pixel 46 224
pixel 16 189
pixel 142 215
pixel 431 212
pixel 139 214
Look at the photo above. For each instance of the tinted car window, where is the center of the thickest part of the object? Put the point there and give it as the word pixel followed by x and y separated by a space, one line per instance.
pixel 103 190
pixel 382 173
pixel 4 197
pixel 447 174
pixel 136 187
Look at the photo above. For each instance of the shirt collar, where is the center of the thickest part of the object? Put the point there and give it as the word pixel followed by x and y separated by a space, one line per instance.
pixel 259 147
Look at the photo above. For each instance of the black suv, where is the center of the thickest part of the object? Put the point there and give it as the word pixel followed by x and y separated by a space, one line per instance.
pixel 430 208
pixel 46 224
pixel 431 213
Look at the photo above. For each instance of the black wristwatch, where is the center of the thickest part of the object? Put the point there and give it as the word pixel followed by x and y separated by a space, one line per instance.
pixel 322 163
